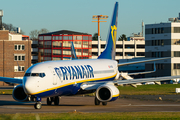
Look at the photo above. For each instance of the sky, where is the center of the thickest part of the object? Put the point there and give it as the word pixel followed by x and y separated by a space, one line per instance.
pixel 76 15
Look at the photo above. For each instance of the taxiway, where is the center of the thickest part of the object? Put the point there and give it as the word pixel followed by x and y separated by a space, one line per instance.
pixel 86 104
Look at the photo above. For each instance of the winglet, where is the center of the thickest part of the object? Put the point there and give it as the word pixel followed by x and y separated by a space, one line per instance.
pixel 109 52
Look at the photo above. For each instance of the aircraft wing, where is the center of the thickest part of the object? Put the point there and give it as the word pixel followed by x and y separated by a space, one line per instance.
pixel 141 80
pixel 11 80
pixel 141 61
pixel 95 85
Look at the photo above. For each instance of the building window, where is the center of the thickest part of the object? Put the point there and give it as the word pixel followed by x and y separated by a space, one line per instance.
pixel 77 44
pixel 47 58
pixel 85 52
pixel 176 41
pixel 77 38
pixel 47 37
pixel 85 37
pixel 70 37
pixel 47 52
pixel 162 42
pixel 57 44
pixel 40 37
pixel 78 51
pixel 57 52
pixel 176 66
pixel 60 37
pixel 176 53
pixel 85 44
pixel 66 51
pixel 158 66
pixel 162 30
pixel 157 42
pixel 18 68
pixel 66 44
pixel 56 58
pixel 19 47
pixel 47 44
pixel 55 38
pixel 176 29
pixel 90 37
pixel 65 37
pixel 19 57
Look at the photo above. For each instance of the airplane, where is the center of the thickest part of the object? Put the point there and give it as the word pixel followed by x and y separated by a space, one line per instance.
pixel 51 79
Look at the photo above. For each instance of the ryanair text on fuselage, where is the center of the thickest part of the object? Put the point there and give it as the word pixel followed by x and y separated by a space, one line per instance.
pixel 74 72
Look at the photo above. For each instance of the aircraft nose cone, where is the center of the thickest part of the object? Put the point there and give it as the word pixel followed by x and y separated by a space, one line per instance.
pixel 28 87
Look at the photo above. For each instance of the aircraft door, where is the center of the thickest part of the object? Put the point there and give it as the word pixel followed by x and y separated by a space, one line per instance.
pixel 54 76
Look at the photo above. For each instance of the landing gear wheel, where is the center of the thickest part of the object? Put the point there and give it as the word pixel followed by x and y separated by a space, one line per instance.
pixel 37 105
pixel 96 101
pixel 104 103
pixel 56 100
pixel 49 101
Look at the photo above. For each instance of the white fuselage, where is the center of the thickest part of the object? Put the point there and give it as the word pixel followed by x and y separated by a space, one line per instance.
pixel 65 77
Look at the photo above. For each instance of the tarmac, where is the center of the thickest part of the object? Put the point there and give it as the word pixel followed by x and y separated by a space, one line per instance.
pixel 141 103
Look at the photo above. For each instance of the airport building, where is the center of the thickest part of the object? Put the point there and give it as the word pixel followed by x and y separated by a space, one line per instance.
pixel 34 52
pixel 124 49
pixel 163 40
pixel 57 45
pixel 15 54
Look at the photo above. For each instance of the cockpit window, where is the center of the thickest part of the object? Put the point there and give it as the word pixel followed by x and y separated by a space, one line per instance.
pixel 35 74
pixel 41 74
pixel 27 74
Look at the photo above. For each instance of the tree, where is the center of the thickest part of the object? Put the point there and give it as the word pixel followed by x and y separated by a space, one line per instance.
pixel 43 30
pixel 95 37
pixel 10 27
pixel 34 33
pixel 122 37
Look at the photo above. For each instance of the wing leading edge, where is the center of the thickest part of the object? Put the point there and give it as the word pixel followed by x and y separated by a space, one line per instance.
pixel 141 61
pixel 95 85
pixel 11 80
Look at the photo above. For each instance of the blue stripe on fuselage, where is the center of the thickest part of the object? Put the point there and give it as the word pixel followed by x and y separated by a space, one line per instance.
pixel 67 90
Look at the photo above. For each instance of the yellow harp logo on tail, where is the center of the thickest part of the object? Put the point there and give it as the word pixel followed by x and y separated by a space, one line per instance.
pixel 113 34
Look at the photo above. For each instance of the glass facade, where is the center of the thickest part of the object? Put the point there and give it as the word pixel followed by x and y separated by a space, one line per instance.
pixel 58 47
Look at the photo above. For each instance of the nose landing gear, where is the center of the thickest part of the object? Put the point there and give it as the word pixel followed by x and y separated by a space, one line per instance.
pixel 38 103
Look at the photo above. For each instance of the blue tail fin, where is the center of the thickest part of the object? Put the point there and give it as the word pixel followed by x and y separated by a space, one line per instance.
pixel 109 52
pixel 73 53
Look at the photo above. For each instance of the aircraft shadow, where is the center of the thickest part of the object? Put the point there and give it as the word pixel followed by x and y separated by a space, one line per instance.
pixel 3 102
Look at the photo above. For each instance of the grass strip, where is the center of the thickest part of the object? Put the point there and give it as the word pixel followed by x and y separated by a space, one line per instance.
pixel 6 92
pixel 90 116
pixel 164 89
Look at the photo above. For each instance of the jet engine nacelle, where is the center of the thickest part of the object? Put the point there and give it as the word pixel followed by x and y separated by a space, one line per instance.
pixel 19 94
pixel 107 93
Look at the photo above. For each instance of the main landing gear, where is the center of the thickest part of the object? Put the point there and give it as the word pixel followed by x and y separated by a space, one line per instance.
pixel 53 99
pixel 97 102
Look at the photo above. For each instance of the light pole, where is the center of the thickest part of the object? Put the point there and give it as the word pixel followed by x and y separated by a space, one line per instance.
pixel 98 17
pixel 1 15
